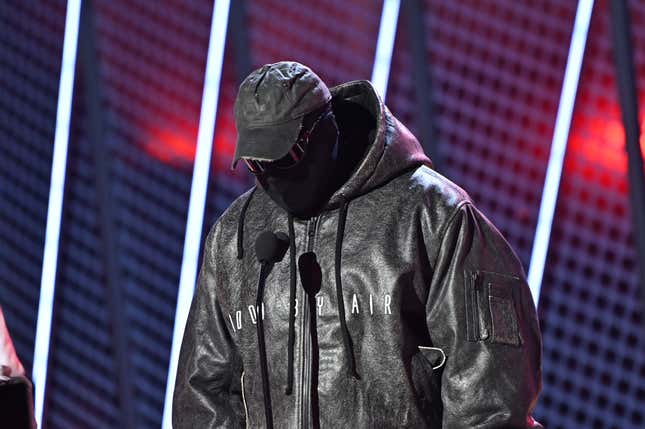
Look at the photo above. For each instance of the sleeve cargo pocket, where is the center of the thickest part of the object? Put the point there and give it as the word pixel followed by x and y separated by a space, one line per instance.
pixel 491 313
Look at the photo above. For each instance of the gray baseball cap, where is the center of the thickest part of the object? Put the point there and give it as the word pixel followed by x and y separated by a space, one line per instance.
pixel 269 108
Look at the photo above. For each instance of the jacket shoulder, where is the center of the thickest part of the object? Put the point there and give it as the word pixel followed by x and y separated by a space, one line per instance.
pixel 431 198
pixel 436 191
pixel 232 212
pixel 226 222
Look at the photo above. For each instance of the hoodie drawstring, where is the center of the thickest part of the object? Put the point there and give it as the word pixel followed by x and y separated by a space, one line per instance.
pixel 347 340
pixel 260 313
pixel 292 305
pixel 240 225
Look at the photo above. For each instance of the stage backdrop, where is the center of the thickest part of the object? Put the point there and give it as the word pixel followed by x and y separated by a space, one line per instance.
pixel 493 70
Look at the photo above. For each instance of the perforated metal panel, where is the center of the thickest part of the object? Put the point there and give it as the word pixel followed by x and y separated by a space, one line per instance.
pixel 594 349
pixel 151 58
pixel 225 184
pixel 30 56
pixel 337 39
pixel 496 70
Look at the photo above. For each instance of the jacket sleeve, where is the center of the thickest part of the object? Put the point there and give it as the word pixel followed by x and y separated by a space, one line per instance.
pixel 207 390
pixel 481 313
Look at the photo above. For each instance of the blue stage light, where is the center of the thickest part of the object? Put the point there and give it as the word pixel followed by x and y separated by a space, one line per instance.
pixel 385 46
pixel 55 206
pixel 558 147
pixel 201 167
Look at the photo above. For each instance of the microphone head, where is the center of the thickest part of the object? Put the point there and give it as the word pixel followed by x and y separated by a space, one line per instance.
pixel 310 273
pixel 270 247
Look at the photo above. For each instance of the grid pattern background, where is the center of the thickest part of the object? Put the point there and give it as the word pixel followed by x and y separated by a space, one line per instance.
pixel 495 69
pixel 29 71
pixel 151 62
pixel 594 350
pixel 337 39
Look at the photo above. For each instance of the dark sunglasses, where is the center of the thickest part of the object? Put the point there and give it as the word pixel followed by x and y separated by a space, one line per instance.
pixel 292 158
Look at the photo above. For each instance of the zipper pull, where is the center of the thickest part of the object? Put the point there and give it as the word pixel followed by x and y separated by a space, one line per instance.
pixel 312 226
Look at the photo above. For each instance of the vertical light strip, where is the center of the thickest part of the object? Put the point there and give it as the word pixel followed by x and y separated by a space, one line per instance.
pixel 558 147
pixel 194 223
pixel 55 206
pixel 385 45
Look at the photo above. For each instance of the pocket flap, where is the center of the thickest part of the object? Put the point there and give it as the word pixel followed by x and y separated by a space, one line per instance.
pixel 491 307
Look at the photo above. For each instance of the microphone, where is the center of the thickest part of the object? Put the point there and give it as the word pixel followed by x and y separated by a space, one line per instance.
pixel 270 247
pixel 310 274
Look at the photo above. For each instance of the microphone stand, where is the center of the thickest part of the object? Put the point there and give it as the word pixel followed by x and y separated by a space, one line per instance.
pixel 264 370
pixel 311 278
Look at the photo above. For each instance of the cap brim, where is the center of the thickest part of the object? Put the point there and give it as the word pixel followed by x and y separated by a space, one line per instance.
pixel 266 143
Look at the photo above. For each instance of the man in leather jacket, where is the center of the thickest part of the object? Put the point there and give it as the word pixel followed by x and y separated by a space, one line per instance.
pixel 378 295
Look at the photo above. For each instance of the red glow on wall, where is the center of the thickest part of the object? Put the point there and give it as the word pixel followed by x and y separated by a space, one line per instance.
pixel 224 143
pixel 173 147
pixel 176 146
pixel 601 140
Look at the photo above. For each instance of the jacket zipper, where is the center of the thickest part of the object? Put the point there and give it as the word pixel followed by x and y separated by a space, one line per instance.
pixel 305 402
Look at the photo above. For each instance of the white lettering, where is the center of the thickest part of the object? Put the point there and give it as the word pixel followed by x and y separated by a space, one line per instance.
pixel 354 304
pixel 256 311
pixel 320 304
pixel 238 318
pixel 253 313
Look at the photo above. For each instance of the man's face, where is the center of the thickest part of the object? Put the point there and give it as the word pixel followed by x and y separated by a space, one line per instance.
pixel 304 188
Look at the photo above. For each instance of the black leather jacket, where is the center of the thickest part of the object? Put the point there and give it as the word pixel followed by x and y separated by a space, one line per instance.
pixel 437 327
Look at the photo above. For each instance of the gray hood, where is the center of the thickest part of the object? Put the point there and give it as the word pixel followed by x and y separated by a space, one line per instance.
pixel 392 151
